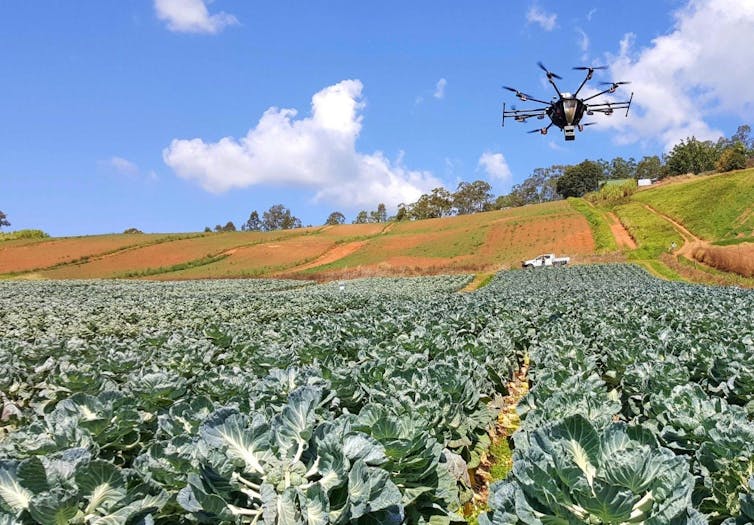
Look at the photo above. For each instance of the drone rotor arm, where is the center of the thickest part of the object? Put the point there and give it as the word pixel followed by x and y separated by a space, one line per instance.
pixel 521 115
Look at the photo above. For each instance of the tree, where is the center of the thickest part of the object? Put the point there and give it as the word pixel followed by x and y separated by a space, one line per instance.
pixel 538 187
pixel 361 218
pixel 692 156
pixel 472 197
pixel 207 229
pixel 732 158
pixel 380 215
pixel 132 230
pixel 218 228
pixel 278 217
pixel 403 213
pixel 3 220
pixel 252 224
pixel 438 203
pixel 649 167
pixel 579 179
pixel 335 218
pixel 621 168
pixel 743 135
pixel 229 227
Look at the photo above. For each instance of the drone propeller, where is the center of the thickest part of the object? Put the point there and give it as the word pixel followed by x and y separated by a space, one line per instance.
pixel 550 74
pixel 615 83
pixel 589 68
pixel 541 131
pixel 581 126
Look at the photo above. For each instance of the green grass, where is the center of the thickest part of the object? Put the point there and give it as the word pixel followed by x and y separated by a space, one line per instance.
pixel 463 242
pixel 604 240
pixel 734 241
pixel 712 207
pixel 659 269
pixel 653 234
pixel 23 234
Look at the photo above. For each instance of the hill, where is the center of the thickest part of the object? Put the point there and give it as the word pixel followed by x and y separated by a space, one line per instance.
pixel 699 228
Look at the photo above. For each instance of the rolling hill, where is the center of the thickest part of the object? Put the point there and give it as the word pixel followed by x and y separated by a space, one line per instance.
pixel 700 228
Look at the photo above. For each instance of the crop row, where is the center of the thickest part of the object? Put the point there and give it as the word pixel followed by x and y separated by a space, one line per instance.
pixel 367 401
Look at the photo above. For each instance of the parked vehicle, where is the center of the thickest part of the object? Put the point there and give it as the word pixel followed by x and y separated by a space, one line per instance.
pixel 547 259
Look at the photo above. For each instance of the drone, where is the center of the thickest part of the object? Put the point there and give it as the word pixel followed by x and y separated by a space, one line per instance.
pixel 566 110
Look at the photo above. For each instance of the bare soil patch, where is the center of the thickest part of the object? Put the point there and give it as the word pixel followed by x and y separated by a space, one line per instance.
pixel 737 258
pixel 621 235
pixel 52 252
pixel 332 255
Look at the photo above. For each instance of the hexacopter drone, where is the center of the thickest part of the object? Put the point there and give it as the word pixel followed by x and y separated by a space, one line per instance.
pixel 566 110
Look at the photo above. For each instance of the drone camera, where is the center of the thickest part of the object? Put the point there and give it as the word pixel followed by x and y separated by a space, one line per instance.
pixel 570 132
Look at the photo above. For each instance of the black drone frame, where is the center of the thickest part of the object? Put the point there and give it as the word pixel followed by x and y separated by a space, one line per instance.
pixel 566 110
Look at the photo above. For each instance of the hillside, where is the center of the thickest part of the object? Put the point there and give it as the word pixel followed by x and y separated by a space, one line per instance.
pixel 483 242
pixel 699 228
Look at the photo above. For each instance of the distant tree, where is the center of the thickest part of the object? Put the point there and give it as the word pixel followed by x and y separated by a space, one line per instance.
pixel 538 187
pixel 732 158
pixel 278 217
pixel 604 168
pixel 361 218
pixel 649 167
pixel 380 215
pixel 132 230
pixel 253 223
pixel 403 213
pixel 692 156
pixel 579 179
pixel 621 168
pixel 472 197
pixel 207 229
pixel 335 218
pixel 218 228
pixel 229 227
pixel 438 203
pixel 743 135
pixel 3 220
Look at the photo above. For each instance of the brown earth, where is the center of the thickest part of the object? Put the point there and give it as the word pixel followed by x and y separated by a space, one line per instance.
pixel 622 237
pixel 156 256
pixel 738 258
pixel 50 252
pixel 336 253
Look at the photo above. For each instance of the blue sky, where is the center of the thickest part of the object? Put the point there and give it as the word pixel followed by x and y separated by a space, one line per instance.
pixel 172 115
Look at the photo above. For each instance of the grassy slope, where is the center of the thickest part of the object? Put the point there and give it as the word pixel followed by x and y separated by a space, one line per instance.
pixel 712 207
pixel 717 208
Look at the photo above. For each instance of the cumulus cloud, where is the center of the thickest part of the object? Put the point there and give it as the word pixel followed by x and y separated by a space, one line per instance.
pixel 440 89
pixel 546 21
pixel 317 152
pixel 496 167
pixel 192 16
pixel 701 67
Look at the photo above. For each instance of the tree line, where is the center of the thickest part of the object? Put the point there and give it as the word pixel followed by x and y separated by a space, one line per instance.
pixel 556 182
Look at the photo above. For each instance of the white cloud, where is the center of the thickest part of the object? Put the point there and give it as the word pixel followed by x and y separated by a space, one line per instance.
pixel 123 166
pixel 702 67
pixel 583 44
pixel 316 152
pixel 546 21
pixel 192 16
pixel 440 89
pixel 590 14
pixel 496 167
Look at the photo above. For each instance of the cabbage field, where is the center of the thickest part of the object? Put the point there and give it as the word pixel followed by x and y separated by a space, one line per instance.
pixel 285 402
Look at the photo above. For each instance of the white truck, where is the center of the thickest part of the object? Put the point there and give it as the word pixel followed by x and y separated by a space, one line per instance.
pixel 547 259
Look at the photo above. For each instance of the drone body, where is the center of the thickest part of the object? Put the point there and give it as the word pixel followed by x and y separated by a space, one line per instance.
pixel 566 110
